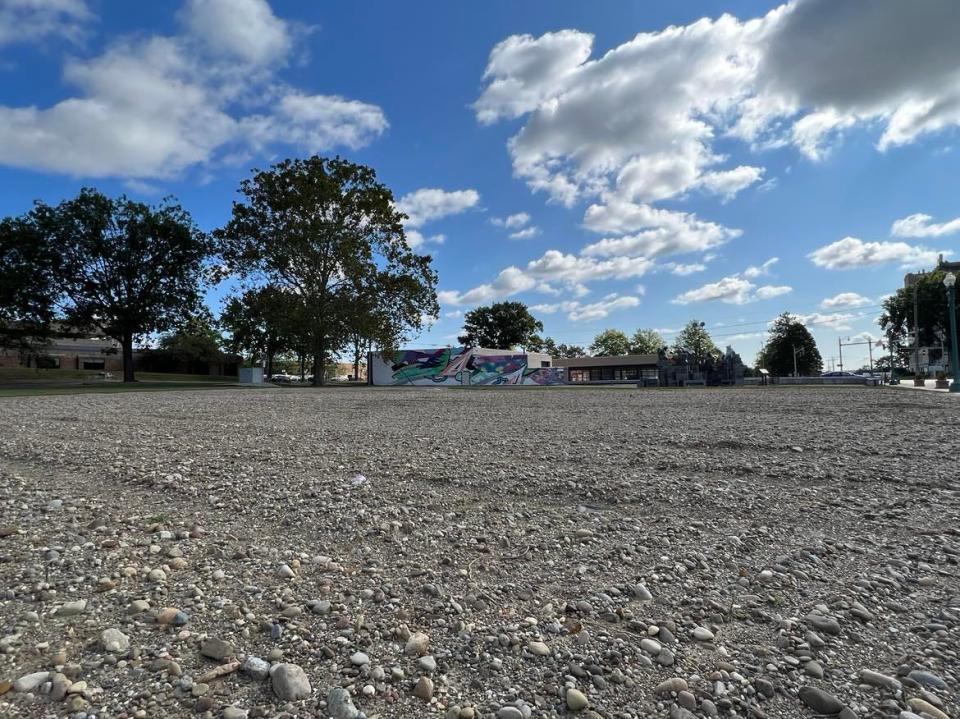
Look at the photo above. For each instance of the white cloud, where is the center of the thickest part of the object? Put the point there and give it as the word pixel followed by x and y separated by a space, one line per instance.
pixel 767 292
pixel 552 267
pixel 727 183
pixel 764 269
pixel 834 320
pixel 512 222
pixel 845 300
pixel 639 123
pixel 920 225
pixel 850 253
pixel 736 289
pixel 682 270
pixel 30 20
pixel 428 204
pixel 656 231
pixel 155 106
pixel 579 312
pixel 525 234
pixel 416 239
pixel 245 29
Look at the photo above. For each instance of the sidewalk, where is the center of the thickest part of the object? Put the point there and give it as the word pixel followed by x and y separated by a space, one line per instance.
pixel 929 386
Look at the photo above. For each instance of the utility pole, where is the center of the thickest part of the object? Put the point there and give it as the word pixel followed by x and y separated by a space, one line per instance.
pixel 795 373
pixel 840 345
pixel 916 329
pixel 870 352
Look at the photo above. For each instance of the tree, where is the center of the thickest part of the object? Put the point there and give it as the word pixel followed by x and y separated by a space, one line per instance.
pixel 503 325
pixel 195 341
pixel 610 343
pixel 570 351
pixel 695 339
pixel 28 285
pixel 123 268
pixel 261 322
pixel 320 228
pixel 788 337
pixel 932 312
pixel 646 342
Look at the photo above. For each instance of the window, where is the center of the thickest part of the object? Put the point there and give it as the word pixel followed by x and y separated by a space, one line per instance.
pixel 607 373
pixel 544 363
pixel 631 373
pixel 94 364
pixel 48 363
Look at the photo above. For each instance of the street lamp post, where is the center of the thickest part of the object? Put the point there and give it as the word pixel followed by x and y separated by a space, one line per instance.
pixel 949 282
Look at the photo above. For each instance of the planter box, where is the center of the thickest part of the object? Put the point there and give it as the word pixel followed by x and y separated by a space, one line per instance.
pixel 917 382
pixel 943 384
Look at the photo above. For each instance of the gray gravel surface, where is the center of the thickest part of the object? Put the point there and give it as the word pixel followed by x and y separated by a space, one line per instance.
pixel 619 553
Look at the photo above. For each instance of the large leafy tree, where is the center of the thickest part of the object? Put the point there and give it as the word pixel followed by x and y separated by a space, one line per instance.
pixel 788 337
pixel 503 325
pixel 320 228
pixel 646 341
pixel 933 318
pixel 261 322
pixel 695 339
pixel 610 343
pixel 28 284
pixel 123 268
pixel 570 351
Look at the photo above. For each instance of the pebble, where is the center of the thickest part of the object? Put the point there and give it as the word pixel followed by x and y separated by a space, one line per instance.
pixel 417 644
pixel 114 641
pixel 340 704
pixel 30 682
pixel 214 648
pixel 72 608
pixel 289 682
pixel 424 688
pixel 576 700
pixel 256 668
pixel 820 701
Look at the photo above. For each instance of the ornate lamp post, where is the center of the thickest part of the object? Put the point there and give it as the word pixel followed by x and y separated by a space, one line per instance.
pixel 949 282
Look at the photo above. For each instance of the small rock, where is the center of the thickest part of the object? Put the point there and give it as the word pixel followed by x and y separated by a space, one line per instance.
pixel 539 649
pixel 30 682
pixel 820 701
pixel 359 659
pixel 417 644
pixel 340 704
pixel 256 668
pixel 290 682
pixel 576 700
pixel 216 649
pixel 702 634
pixel 424 688
pixel 114 641
pixel 72 608
pixel 674 684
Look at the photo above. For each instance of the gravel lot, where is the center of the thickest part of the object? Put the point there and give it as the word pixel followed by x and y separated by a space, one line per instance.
pixel 502 553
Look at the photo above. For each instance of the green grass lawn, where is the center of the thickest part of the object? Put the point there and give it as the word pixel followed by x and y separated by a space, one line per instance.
pixel 24 381
pixel 112 388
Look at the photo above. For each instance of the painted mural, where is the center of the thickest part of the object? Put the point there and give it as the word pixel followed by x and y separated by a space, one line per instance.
pixel 459 366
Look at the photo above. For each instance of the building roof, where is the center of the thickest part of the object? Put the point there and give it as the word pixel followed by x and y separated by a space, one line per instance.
pixel 617 361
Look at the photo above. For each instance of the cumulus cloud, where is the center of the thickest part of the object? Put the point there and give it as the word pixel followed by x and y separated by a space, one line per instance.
pixel 639 123
pixel 736 289
pixel 553 266
pixel 155 106
pixel 833 320
pixel 920 225
pixel 31 20
pixel 578 311
pixel 845 300
pixel 525 234
pixel 851 253
pixel 430 203
pixel 649 231
pixel 681 269
pixel 512 222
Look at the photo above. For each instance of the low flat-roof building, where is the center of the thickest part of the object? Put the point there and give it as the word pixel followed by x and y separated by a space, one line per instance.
pixel 611 370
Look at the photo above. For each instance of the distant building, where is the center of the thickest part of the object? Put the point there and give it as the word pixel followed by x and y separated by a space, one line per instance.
pixel 69 349
pixel 932 358
pixel 674 368
pixel 462 366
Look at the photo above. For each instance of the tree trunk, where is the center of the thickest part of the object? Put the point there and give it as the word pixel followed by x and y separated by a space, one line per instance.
pixel 126 343
pixel 269 364
pixel 319 373
pixel 302 359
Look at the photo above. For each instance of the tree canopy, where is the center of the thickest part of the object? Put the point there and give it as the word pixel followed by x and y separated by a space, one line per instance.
pixel 610 343
pixel 932 313
pixel 119 267
pixel 787 335
pixel 646 341
pixel 28 284
pixel 323 229
pixel 695 338
pixel 503 325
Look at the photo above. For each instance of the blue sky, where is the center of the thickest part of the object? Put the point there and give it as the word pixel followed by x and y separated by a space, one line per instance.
pixel 654 161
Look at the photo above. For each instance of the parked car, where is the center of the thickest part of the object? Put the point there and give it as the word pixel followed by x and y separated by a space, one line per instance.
pixel 838 373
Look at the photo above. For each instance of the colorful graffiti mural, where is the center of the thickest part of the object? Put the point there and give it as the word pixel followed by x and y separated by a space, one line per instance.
pixel 459 366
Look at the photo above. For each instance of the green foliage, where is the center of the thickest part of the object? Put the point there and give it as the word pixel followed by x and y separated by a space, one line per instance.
pixel 263 322
pixel 28 285
pixel 196 341
pixel 122 267
pixel 695 338
pixel 324 230
pixel 932 311
pixel 503 325
pixel 786 335
pixel 610 343
pixel 646 342
pixel 570 351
